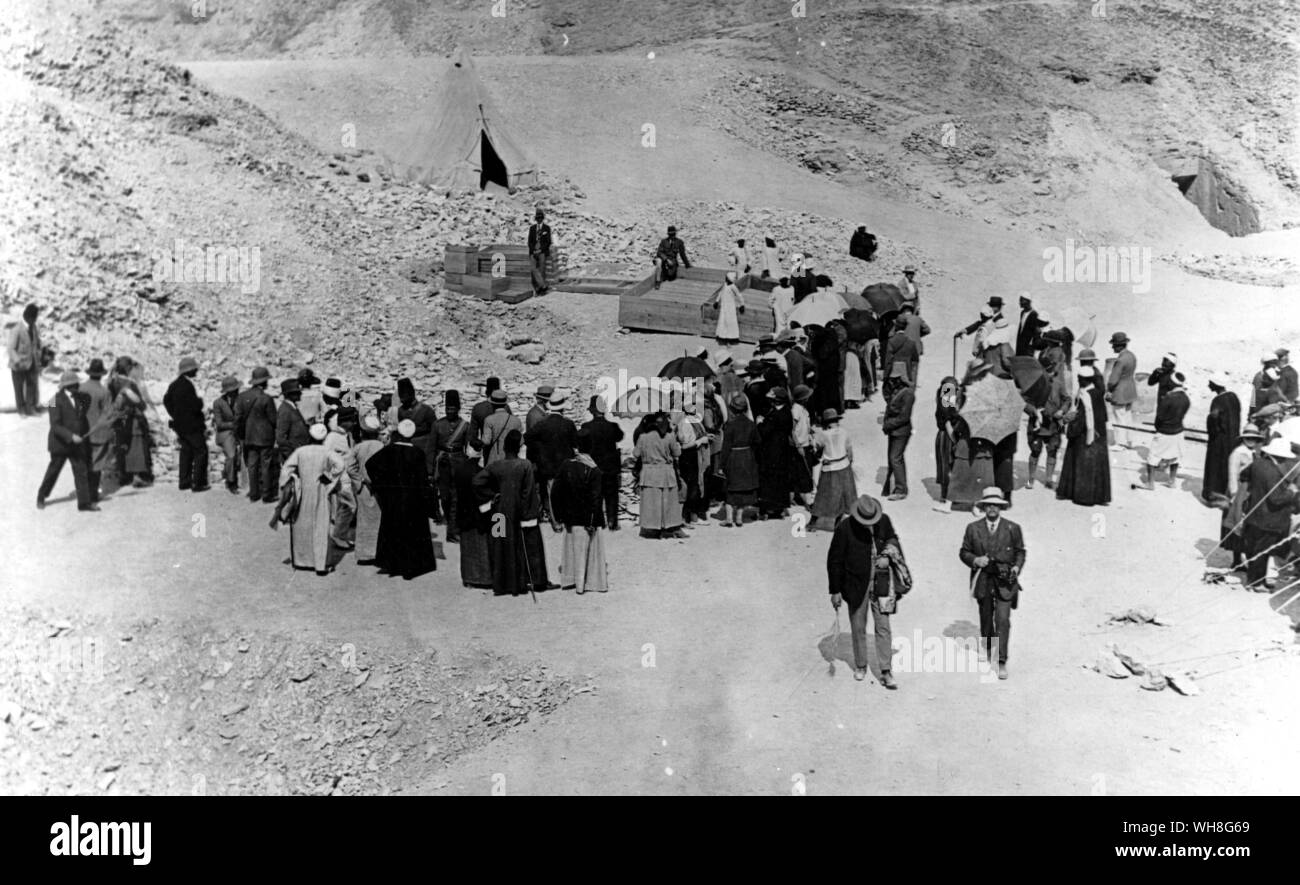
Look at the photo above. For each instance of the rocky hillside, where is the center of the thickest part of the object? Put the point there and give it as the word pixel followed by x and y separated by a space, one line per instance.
pixel 1036 109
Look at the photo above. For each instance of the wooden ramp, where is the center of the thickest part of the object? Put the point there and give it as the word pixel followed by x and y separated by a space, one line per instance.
pixel 682 305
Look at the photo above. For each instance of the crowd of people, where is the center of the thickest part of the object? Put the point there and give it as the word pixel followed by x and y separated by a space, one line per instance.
pixel 755 438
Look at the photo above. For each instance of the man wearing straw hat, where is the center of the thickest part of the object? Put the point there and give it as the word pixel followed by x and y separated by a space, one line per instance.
pixel 1121 390
pixel 858 567
pixel 223 422
pixel 907 285
pixel 1271 499
pixel 994 550
pixel 68 442
pixel 550 442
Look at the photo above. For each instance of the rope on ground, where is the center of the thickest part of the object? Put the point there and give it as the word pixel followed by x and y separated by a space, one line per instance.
pixel 1219 546
pixel 1264 657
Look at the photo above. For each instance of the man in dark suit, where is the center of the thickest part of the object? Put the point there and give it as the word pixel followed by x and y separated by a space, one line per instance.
pixel 483 409
pixel 255 420
pixel 902 348
pixel 550 443
pixel 186 410
pixel 900 399
pixel 858 570
pixel 68 442
pixel 605 436
pixel 994 550
pixel 671 250
pixel 1027 331
pixel 291 431
pixel 539 250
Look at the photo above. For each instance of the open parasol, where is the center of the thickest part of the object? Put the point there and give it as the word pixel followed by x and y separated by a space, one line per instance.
pixel 993 408
pixel 819 308
pixel 1031 380
pixel 854 300
pixel 883 297
pixel 1080 323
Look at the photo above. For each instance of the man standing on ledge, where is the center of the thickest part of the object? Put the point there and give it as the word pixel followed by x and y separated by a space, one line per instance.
pixel 539 251
pixel 994 549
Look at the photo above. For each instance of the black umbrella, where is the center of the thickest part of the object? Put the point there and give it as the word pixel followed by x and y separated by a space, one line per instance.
pixel 687 367
pixel 862 325
pixel 1031 380
pixel 883 297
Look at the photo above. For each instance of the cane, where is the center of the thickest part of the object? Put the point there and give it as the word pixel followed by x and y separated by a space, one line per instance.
pixel 528 568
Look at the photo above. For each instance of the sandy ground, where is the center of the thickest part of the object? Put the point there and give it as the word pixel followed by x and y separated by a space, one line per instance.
pixel 710 654
pixel 739 697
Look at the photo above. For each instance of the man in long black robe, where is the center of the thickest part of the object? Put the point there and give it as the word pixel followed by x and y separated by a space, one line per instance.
pixel 1223 424
pixel 775 455
pixel 399 477
pixel 507 491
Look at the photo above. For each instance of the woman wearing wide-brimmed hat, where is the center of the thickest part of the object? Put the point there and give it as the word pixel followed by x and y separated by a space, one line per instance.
pixel 836 488
pixel 865 564
pixel 738 460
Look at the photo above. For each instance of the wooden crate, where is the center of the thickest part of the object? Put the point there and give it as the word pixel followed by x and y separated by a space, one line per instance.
pixel 485 287
pixel 459 258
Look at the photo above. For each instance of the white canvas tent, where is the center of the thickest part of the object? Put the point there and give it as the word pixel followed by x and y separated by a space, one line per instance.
pixel 463 144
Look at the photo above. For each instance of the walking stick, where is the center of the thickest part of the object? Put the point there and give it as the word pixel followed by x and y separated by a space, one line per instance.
pixel 954 356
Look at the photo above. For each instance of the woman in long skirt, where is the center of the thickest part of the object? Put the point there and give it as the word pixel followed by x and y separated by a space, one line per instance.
pixel 1085 476
pixel 837 491
pixel 947 408
pixel 730 304
pixel 739 460
pixel 853 392
pixel 577 504
pixel 657 451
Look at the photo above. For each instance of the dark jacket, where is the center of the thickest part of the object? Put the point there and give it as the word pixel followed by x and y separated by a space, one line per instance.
pixel 539 238
pixel 851 560
pixel 1005 547
pixel 184 406
pixel 255 418
pixel 1027 340
pixel 1268 500
pixel 797 366
pixel 550 443
pixel 575 497
pixel 673 247
pixel 481 412
pixel 605 437
pixel 862 245
pixel 290 429
pixel 898 414
pixel 901 349
pixel 1170 411
pixel 1289 382
pixel 69 416
pixel 223 418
